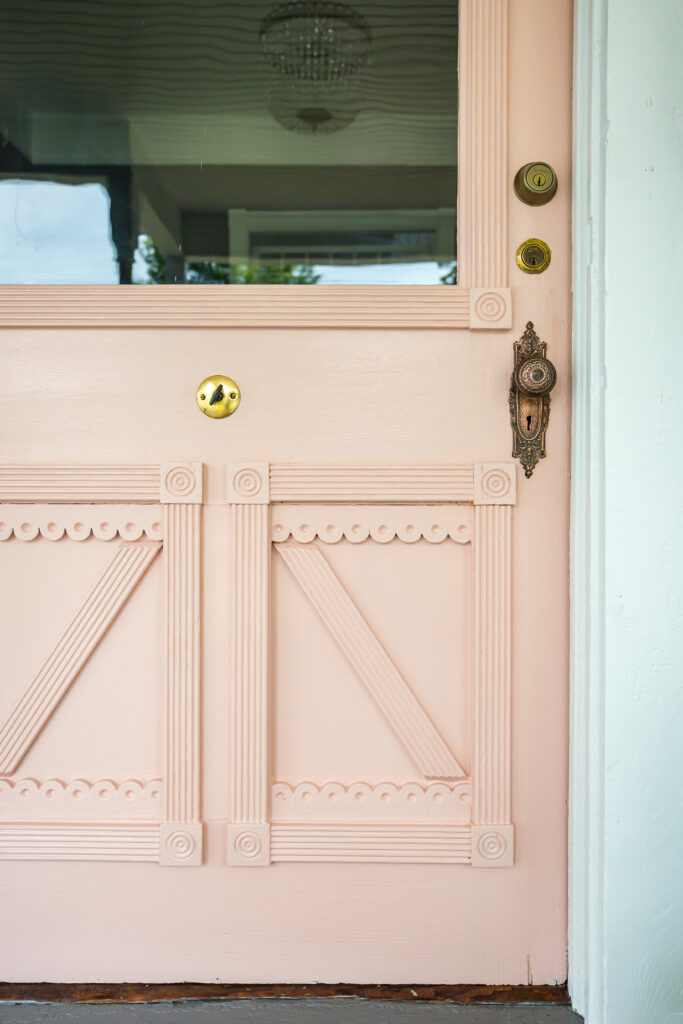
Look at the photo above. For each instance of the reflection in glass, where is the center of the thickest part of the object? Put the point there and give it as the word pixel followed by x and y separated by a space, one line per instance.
pixel 200 142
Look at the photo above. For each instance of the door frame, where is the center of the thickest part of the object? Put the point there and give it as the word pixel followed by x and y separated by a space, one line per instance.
pixel 587 519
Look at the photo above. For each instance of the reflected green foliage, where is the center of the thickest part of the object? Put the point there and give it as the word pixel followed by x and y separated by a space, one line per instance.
pixel 211 272
pixel 450 277
pixel 152 258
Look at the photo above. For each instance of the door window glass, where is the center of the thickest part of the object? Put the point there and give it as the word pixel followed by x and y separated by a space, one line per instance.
pixel 201 142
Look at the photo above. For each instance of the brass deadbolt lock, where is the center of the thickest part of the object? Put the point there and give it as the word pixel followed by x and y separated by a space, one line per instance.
pixel 533 256
pixel 535 184
pixel 218 396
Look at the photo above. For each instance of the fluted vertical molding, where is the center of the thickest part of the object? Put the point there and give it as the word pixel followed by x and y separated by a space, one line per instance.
pixel 181 832
pixel 249 830
pixel 482 159
pixel 492 830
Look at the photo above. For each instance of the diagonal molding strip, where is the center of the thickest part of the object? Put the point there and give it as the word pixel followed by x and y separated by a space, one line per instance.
pixel 375 668
pixel 72 650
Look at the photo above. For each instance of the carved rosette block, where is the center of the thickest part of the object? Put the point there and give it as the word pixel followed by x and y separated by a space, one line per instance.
pixel 180 845
pixel 493 846
pixel 181 483
pixel 490 309
pixel 495 483
pixel 248 483
pixel 249 845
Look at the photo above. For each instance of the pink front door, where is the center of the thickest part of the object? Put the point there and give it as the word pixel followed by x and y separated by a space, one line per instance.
pixel 284 696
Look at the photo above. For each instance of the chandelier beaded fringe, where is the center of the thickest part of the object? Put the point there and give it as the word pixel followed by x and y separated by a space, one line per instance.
pixel 315 50
pixel 315 41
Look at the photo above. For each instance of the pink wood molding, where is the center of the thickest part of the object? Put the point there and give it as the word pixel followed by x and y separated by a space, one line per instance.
pixel 406 844
pixel 423 483
pixel 374 667
pixel 181 483
pixel 182 712
pixel 490 309
pixel 380 523
pixel 491 755
pixel 123 841
pixel 105 799
pixel 482 149
pixel 248 483
pixel 248 833
pixel 78 522
pixel 174 837
pixel 329 306
pixel 493 846
pixel 465 503
pixel 495 483
pixel 79 483
pixel 361 802
pixel 104 602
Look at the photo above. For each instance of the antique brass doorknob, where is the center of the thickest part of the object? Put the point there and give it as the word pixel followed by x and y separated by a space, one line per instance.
pixel 535 376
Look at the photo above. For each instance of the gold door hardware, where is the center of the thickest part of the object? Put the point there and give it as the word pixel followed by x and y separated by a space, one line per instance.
pixel 533 256
pixel 535 184
pixel 533 378
pixel 218 396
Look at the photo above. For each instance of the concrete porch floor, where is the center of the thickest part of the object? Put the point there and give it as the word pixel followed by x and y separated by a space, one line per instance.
pixel 284 1011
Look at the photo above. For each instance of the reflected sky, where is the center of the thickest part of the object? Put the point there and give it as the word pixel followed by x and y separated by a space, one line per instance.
pixel 55 234
pixel 60 234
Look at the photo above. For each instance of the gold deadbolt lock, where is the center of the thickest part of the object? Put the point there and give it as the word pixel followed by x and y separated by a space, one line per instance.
pixel 533 256
pixel 535 184
pixel 218 396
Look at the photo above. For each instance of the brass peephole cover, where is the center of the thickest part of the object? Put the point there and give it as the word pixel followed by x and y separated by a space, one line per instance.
pixel 535 183
pixel 218 396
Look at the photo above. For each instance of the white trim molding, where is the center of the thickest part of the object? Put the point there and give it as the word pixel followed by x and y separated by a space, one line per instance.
pixel 282 508
pixel 587 669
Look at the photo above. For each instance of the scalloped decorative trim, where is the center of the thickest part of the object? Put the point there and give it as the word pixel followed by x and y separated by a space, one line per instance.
pixel 29 799
pixel 381 523
pixel 363 802
pixel 78 522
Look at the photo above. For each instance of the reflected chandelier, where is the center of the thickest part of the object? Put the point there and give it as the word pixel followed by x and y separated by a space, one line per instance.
pixel 315 50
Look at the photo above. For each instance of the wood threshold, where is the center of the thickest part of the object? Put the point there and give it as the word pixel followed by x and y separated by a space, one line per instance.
pixel 45 992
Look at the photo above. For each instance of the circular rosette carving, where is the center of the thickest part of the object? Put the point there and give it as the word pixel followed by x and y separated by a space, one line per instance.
pixel 180 481
pixel 491 845
pixel 535 376
pixel 247 482
pixel 248 845
pixel 496 483
pixel 490 307
pixel 180 845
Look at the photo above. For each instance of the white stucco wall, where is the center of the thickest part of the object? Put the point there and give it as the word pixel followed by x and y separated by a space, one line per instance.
pixel 643 542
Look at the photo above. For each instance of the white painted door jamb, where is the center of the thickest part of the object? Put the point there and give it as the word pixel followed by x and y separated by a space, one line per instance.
pixel 586 796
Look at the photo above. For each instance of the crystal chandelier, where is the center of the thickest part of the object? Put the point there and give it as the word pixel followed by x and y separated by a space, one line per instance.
pixel 315 50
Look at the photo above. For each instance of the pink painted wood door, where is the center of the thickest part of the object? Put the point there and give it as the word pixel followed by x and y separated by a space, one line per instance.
pixel 284 696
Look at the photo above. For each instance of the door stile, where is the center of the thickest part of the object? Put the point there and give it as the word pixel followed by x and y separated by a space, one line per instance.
pixel 249 828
